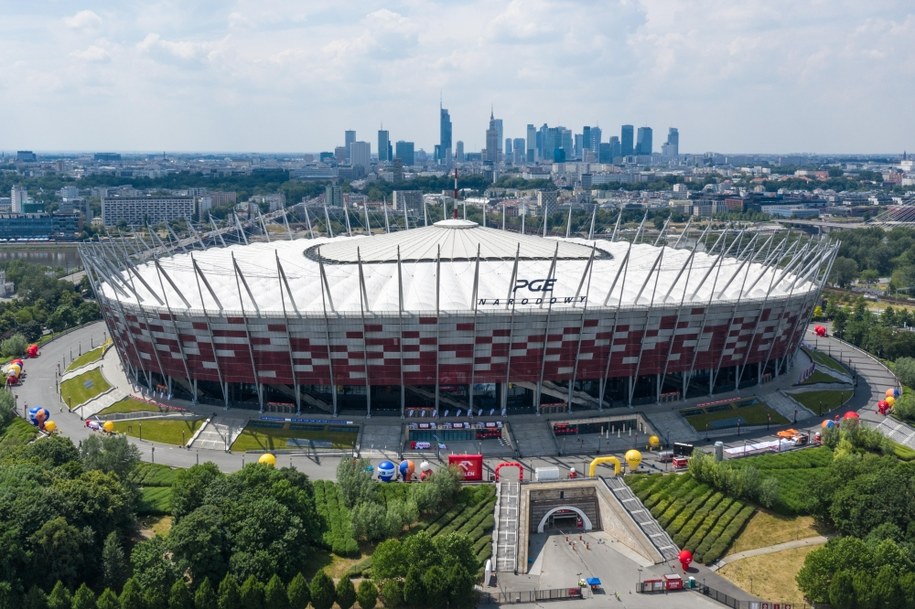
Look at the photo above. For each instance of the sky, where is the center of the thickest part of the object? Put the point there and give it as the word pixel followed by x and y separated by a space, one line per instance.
pixel 752 76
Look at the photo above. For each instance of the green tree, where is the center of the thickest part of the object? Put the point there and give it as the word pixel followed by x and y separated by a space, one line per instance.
pixel 115 568
pixel 83 598
pixel 252 593
pixel 392 593
pixel 35 598
pixel 228 596
pixel 299 592
pixel 155 599
pixel 205 596
pixel 109 454
pixel 322 591
pixel 199 544
pixel 842 591
pixel 61 549
pixel 191 486
pixel 15 345
pixel 107 600
pixel 131 595
pixel 345 593
pixel 179 597
pixel 356 485
pixel 275 596
pixel 905 370
pixel 7 600
pixel 59 597
pixel 844 271
pixel 367 594
pixel 414 592
pixel 152 565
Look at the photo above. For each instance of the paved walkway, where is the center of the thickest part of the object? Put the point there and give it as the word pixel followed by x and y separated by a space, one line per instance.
pixel 788 545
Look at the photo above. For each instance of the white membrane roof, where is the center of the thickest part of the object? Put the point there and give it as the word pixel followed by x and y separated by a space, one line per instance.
pixel 454 265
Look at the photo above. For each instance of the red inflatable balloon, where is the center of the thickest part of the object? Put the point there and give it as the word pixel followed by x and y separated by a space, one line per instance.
pixel 850 415
pixel 686 557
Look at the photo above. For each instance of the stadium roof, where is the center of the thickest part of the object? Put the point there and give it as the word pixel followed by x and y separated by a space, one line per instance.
pixel 454 265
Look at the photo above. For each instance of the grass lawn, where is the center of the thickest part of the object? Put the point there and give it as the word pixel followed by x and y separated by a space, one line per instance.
pixel 770 576
pixel 824 360
pixel 130 405
pixel 267 438
pixel 166 431
pixel 150 526
pixel 723 416
pixel 82 388
pixel 768 529
pixel 88 357
pixel 819 376
pixel 822 401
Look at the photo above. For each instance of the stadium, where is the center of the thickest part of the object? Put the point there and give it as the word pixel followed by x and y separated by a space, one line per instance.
pixel 454 316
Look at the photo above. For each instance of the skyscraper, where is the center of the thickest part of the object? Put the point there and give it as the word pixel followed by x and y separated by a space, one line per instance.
pixel 643 145
pixel 444 138
pixel 360 154
pixel 349 137
pixel 531 143
pixel 626 140
pixel 671 148
pixel 384 145
pixel 403 151
pixel 491 154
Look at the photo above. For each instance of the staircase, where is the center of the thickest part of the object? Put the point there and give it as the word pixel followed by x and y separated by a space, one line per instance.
pixel 642 517
pixel 218 435
pixel 505 533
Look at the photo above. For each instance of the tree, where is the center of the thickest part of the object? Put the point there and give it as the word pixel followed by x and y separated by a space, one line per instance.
pixel 228 596
pixel 905 370
pixel 155 599
pixel 115 568
pixel 61 549
pixel 414 592
pixel 52 452
pixel 107 600
pixel 299 592
pixel 59 597
pixel 132 595
pixel 35 598
pixel 322 591
pixel 83 598
pixel 252 593
pixel 346 593
pixel 275 596
pixel 14 345
pixel 844 271
pixel 179 597
pixel 356 485
pixel 191 486
pixel 109 454
pixel 205 596
pixel 392 593
pixel 152 565
pixel 199 544
pixel 367 594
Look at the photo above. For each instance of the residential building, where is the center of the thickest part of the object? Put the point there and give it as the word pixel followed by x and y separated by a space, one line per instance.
pixel 140 211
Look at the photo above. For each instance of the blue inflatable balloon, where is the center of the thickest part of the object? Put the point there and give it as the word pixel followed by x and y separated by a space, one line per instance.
pixel 38 415
pixel 896 392
pixel 386 471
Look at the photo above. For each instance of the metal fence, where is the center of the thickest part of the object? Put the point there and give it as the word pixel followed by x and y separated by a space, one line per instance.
pixel 530 596
pixel 730 601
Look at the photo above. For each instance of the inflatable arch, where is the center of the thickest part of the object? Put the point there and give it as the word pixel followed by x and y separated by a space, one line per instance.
pixel 584 517
pixel 511 464
pixel 593 467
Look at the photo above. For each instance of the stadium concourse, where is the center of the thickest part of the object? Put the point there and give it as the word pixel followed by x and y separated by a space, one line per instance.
pixel 538 446
pixel 454 317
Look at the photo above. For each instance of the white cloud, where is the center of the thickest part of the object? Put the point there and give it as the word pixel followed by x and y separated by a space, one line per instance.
pixel 83 20
pixel 92 54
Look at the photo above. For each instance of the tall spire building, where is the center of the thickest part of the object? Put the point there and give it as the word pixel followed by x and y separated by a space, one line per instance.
pixel 444 129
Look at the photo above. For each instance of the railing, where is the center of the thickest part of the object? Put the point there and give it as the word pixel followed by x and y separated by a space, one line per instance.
pixel 530 596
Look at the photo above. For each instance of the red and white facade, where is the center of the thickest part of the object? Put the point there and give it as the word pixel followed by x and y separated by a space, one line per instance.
pixel 416 313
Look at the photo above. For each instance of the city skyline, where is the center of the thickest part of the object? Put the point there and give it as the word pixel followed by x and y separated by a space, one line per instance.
pixel 293 77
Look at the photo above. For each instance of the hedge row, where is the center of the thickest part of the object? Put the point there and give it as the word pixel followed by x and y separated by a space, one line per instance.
pixel 152 474
pixel 338 536
pixel 708 523
pixel 682 536
pixel 696 497
pixel 730 532
pixel 155 501
pixel 674 496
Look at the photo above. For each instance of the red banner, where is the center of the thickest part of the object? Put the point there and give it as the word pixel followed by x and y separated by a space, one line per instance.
pixel 471 465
